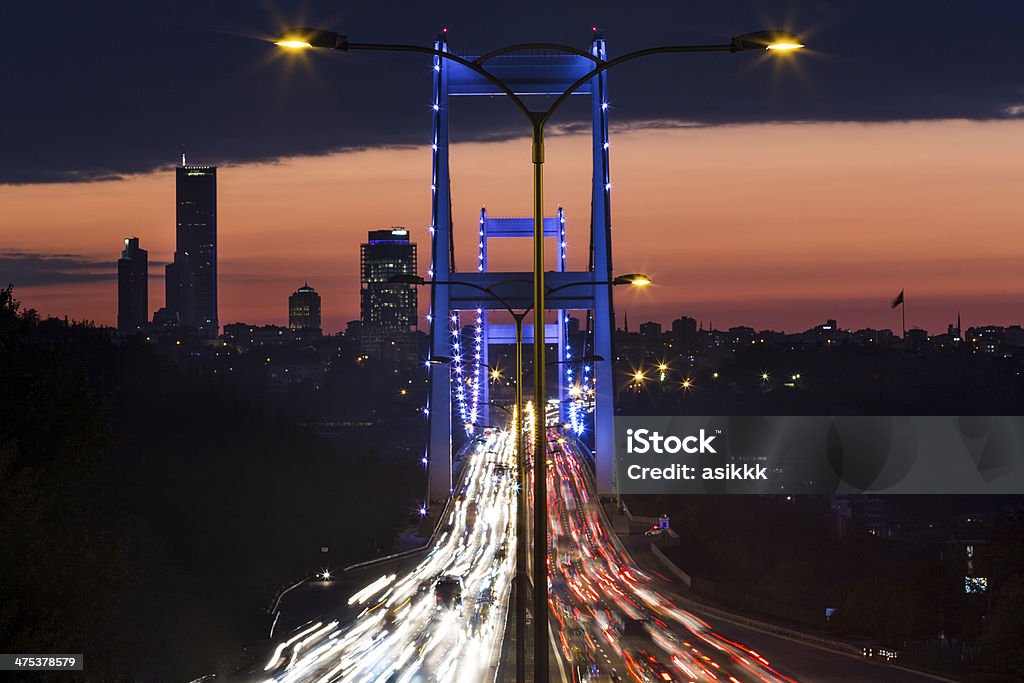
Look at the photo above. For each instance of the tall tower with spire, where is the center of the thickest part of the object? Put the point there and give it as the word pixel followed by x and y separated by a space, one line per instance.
pixel 191 279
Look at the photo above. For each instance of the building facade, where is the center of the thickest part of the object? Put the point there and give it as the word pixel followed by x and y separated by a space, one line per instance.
pixel 388 312
pixel 304 309
pixel 132 287
pixel 191 279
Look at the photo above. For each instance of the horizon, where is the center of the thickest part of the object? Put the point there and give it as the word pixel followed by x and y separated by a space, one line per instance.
pixel 835 232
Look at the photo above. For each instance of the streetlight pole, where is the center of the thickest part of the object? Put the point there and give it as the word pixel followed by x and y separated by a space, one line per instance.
pixel 540 460
pixel 302 38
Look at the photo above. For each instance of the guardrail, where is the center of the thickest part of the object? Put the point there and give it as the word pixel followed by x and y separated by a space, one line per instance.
pixel 800 636
pixel 671 566
pixel 433 534
pixel 275 610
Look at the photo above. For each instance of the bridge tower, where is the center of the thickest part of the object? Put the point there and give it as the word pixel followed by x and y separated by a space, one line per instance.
pixel 527 72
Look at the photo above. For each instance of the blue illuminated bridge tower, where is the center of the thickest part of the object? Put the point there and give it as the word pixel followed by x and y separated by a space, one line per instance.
pixel 586 391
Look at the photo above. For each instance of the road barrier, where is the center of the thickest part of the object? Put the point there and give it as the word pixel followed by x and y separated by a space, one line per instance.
pixel 433 534
pixel 671 566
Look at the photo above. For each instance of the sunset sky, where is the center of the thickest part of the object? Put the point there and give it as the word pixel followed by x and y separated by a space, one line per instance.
pixel 754 192
pixel 776 225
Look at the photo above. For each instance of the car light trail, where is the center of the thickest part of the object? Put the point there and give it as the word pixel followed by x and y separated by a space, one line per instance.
pixel 596 591
pixel 402 632
pixel 607 615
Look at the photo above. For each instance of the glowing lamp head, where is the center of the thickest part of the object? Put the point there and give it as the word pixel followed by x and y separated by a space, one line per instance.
pixel 775 40
pixel 303 38
pixel 638 376
pixel 635 279
pixel 783 47
pixel 293 44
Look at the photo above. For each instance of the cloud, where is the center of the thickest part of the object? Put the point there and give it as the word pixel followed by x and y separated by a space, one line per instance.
pixel 26 269
pixel 192 72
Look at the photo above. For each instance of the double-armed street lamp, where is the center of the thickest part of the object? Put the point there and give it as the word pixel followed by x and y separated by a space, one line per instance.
pixel 774 41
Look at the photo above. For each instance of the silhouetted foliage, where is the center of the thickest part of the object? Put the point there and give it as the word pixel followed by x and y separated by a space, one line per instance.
pixel 150 517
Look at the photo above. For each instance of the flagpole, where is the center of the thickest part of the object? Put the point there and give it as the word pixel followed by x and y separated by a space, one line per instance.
pixel 903 310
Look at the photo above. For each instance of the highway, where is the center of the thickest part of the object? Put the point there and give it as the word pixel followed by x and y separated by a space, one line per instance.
pixel 403 632
pixel 610 620
pixel 616 621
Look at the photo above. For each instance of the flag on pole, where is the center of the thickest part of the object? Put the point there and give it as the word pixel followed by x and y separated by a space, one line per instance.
pixel 898 300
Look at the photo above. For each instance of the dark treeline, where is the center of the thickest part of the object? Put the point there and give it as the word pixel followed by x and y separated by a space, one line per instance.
pixel 148 518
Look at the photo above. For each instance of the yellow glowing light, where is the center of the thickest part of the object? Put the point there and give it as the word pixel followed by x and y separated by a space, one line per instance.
pixel 764 376
pixel 640 282
pixel 639 376
pixel 785 47
pixel 663 367
pixel 687 383
pixel 293 44
pixel 495 374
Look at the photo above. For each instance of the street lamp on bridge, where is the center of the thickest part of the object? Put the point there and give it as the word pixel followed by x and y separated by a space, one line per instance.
pixel 776 41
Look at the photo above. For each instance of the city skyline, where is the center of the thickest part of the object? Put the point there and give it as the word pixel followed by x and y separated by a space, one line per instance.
pixel 849 270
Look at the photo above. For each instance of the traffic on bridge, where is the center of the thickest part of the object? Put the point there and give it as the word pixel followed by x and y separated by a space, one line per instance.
pixel 442 621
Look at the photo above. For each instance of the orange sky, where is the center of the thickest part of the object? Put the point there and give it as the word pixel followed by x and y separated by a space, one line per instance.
pixel 769 225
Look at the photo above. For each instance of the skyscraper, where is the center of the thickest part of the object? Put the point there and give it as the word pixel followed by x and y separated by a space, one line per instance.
pixel 387 311
pixel 191 285
pixel 684 335
pixel 132 286
pixel 304 309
